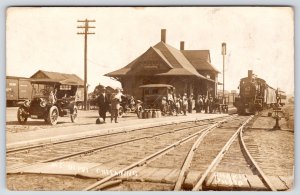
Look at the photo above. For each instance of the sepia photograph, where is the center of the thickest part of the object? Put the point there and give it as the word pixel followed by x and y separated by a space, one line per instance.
pixel 150 98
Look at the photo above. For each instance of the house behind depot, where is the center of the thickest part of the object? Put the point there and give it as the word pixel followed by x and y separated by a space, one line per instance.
pixel 189 71
pixel 65 81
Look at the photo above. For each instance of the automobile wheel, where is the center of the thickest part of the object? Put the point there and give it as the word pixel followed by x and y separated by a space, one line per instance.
pixel 22 119
pixel 53 115
pixel 74 114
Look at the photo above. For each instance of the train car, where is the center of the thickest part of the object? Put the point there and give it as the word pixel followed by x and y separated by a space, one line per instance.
pixel 255 95
pixel 18 89
pixel 270 96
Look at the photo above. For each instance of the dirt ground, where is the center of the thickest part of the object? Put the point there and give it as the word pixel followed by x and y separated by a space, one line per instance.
pixel 289 115
pixel 46 182
pixel 84 118
pixel 273 149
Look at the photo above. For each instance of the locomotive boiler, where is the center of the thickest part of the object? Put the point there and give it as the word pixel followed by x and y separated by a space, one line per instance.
pixel 255 95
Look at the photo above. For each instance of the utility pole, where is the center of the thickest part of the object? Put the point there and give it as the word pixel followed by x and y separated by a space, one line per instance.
pixel 223 53
pixel 86 32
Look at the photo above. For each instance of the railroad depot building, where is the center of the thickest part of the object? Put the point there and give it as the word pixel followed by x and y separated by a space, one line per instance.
pixel 189 71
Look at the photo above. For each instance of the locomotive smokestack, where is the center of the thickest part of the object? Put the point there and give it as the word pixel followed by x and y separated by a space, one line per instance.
pixel 163 35
pixel 250 73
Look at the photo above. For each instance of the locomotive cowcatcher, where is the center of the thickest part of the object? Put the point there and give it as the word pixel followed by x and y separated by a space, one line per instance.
pixel 255 95
pixel 50 99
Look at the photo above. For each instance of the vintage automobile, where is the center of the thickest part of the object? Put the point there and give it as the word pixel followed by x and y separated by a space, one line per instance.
pixel 154 95
pixel 50 99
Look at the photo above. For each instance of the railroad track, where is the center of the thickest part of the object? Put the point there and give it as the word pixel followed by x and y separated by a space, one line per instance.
pixel 86 138
pixel 26 156
pixel 216 161
pixel 186 163
pixel 103 183
pixel 188 150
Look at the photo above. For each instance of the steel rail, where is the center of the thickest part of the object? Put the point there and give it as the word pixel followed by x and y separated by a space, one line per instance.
pixel 262 175
pixel 143 161
pixel 218 158
pixel 88 151
pixel 188 160
pixel 150 157
pixel 15 150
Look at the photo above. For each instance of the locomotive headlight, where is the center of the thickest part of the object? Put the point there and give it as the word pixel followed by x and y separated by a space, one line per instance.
pixel 27 103
pixel 43 103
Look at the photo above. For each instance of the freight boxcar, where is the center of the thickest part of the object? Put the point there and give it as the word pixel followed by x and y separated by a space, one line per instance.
pixel 18 89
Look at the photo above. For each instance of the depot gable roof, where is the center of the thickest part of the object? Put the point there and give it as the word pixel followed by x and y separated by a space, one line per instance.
pixel 62 78
pixel 178 63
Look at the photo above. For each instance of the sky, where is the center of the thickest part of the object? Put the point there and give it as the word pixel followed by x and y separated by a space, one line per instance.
pixel 257 38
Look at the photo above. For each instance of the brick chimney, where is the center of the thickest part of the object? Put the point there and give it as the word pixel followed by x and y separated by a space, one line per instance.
pixel 250 74
pixel 181 45
pixel 163 35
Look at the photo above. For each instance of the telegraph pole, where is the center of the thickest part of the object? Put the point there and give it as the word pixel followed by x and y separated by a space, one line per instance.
pixel 223 53
pixel 86 32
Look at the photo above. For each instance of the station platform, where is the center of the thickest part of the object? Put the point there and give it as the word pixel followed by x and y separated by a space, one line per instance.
pixel 60 133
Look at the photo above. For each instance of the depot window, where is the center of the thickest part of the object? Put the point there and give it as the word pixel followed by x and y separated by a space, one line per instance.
pixel 65 87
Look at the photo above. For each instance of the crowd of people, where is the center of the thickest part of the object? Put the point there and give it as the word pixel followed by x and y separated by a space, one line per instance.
pixel 186 104
pixel 170 104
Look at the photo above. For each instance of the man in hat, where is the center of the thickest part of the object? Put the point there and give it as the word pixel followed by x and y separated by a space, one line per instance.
pixel 164 105
pixel 184 103
pixel 190 103
pixel 103 103
pixel 211 106
pixel 138 107
pixel 199 103
pixel 115 105
pixel 171 103
pixel 52 98
pixel 205 103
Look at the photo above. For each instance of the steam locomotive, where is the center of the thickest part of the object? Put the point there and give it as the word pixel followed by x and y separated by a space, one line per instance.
pixel 255 95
